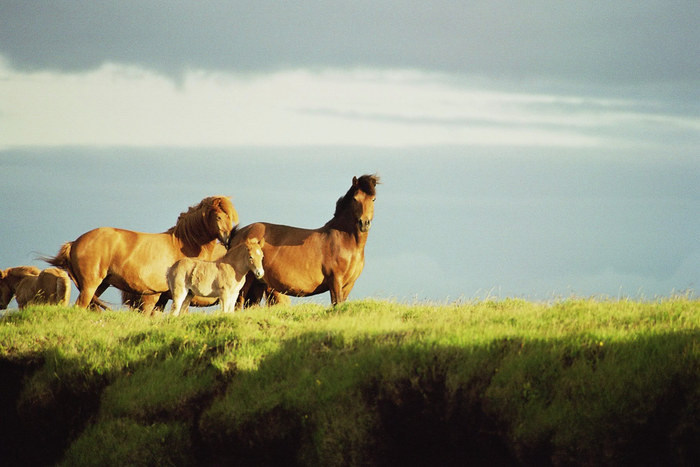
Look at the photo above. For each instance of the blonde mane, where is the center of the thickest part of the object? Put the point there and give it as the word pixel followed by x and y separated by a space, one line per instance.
pixel 192 226
pixel 21 271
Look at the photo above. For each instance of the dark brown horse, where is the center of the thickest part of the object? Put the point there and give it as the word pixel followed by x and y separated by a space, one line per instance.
pixel 303 262
pixel 138 262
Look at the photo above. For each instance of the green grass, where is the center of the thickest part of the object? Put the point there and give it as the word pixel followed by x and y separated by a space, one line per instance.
pixel 366 382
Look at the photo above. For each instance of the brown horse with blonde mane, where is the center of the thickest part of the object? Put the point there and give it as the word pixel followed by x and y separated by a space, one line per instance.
pixel 303 262
pixel 138 262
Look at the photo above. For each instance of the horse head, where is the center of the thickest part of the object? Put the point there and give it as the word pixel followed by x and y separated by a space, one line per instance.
pixel 363 194
pixel 255 256
pixel 222 219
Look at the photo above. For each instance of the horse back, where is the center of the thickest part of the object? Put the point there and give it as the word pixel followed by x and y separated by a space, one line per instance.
pixel 140 260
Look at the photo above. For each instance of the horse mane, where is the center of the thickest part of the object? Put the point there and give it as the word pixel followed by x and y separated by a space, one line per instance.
pixel 366 183
pixel 191 226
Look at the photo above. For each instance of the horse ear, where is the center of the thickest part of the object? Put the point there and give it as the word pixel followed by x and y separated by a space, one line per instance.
pixel 2 274
pixel 354 181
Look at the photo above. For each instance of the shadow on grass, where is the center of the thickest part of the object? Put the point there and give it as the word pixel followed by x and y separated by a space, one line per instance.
pixel 388 401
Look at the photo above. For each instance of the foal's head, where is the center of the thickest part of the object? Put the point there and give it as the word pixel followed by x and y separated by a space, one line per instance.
pixel 360 201
pixel 255 256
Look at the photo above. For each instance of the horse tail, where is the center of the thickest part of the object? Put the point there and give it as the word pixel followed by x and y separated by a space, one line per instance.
pixel 62 259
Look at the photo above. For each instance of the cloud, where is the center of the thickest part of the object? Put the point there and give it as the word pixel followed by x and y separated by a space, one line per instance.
pixel 125 105
pixel 579 41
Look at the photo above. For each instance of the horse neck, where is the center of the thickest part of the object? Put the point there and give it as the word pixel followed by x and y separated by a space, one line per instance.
pixel 348 227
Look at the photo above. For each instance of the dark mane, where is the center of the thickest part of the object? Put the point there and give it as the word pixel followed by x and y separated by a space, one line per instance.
pixel 366 183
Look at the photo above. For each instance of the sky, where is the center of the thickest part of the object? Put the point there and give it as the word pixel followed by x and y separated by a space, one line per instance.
pixel 527 149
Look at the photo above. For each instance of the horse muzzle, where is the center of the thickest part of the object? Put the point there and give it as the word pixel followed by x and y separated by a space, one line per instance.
pixel 225 239
pixel 259 273
pixel 364 224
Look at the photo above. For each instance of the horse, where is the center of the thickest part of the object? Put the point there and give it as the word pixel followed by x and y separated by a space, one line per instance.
pixel 137 262
pixel 51 286
pixel 222 278
pixel 303 262
pixel 10 278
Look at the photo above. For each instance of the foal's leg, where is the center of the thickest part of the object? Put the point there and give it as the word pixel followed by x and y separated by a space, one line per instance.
pixel 186 303
pixel 227 304
pixel 179 296
pixel 229 297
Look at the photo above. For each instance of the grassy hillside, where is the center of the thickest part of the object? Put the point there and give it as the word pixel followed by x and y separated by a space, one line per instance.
pixel 367 382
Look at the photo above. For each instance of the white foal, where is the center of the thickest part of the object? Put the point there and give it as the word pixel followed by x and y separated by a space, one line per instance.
pixel 222 278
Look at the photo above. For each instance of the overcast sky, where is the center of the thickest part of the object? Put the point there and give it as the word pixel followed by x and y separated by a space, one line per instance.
pixel 574 126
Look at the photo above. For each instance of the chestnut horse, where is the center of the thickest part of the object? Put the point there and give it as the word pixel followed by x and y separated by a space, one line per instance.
pixel 303 262
pixel 51 286
pixel 138 262
pixel 222 278
pixel 10 278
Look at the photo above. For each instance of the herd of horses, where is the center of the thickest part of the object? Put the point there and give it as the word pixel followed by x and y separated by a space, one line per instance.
pixel 206 258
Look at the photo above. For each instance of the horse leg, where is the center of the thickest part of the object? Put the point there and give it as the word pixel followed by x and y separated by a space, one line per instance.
pixel 162 301
pixel 226 302
pixel 95 302
pixel 86 295
pixel 345 291
pixel 243 295
pixel 186 304
pixel 148 303
pixel 255 293
pixel 178 299
pixel 336 290
pixel 277 298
